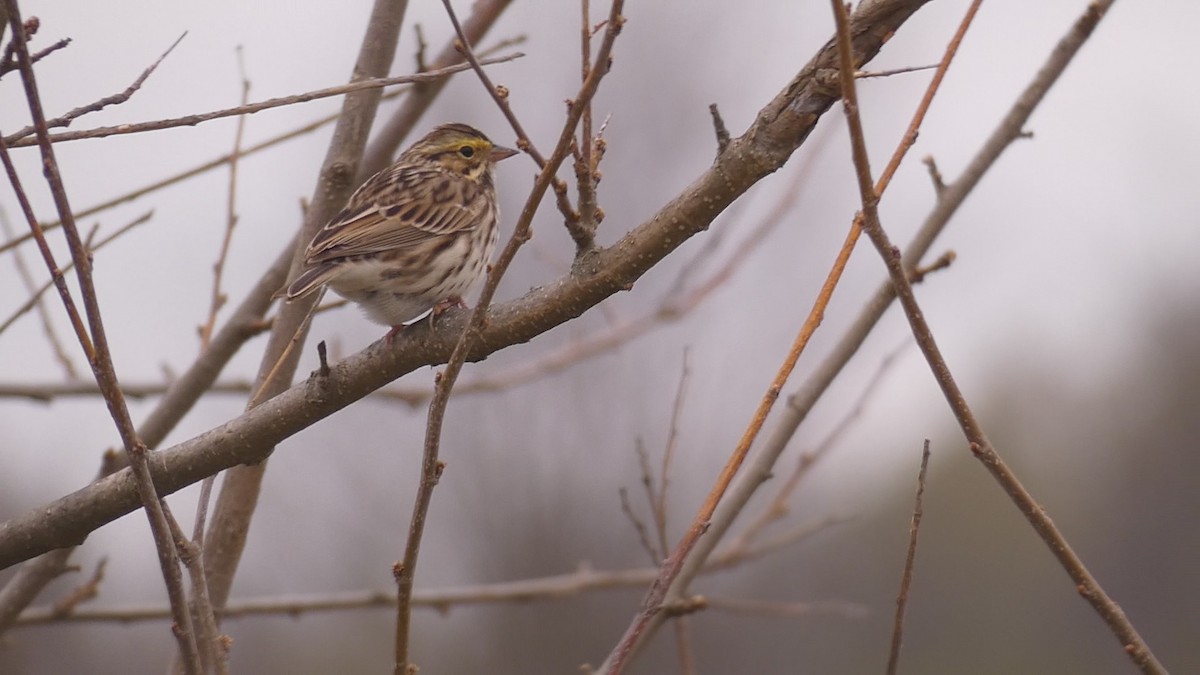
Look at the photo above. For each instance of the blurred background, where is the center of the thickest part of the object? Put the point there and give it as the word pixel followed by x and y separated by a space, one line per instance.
pixel 1069 318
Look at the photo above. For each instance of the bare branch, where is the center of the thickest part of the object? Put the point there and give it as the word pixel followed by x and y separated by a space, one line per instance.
pixel 683 563
pixel 35 297
pixel 115 99
pixel 787 610
pixel 431 466
pixel 484 14
pixel 910 557
pixel 35 301
pixel 230 523
pixel 95 344
pixel 1108 610
pixel 781 127
pixel 218 298
pixel 193 120
pixel 555 587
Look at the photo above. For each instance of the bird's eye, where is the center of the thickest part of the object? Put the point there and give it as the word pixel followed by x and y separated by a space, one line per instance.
pixel 466 151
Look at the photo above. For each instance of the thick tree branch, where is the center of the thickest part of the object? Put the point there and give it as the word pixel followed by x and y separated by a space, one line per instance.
pixel 235 505
pixel 780 128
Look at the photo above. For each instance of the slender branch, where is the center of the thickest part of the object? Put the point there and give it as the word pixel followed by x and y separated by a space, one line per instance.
pixel 660 507
pixel 554 587
pixel 230 524
pixel 499 94
pixel 82 593
pixel 582 224
pixel 909 559
pixel 639 526
pixel 193 120
pixel 214 654
pixel 1108 610
pixel 99 356
pixel 35 302
pixel 115 99
pixel 787 610
pixel 35 297
pixel 225 159
pixel 782 126
pixel 8 65
pixel 678 571
pixel 218 298
pixel 864 74
pixel 392 132
pixel 431 466
pixel 778 508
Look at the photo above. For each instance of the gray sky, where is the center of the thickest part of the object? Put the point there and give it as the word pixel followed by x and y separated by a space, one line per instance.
pixel 1073 244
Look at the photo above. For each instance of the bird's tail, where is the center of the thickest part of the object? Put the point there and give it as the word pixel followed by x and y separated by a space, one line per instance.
pixel 310 280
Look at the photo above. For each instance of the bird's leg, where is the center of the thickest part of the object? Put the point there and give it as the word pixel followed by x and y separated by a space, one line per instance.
pixel 441 306
pixel 391 334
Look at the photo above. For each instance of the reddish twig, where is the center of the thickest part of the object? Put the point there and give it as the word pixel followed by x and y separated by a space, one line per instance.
pixel 1108 610
pixel 778 508
pixel 673 567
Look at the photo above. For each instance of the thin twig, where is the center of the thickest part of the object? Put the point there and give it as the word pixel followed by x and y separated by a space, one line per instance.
pixel 393 131
pixel 499 94
pixel 115 99
pixel 214 657
pixel 660 507
pixel 193 120
pixel 787 610
pixel 778 508
pixel 212 164
pixel 35 301
pixel 554 587
pixel 1108 610
pixel 587 159
pixel 719 128
pixel 96 344
pixel 865 74
pixel 675 577
pixel 35 297
pixel 230 520
pixel 639 525
pixel 82 593
pixel 909 560
pixel 431 465
pixel 8 65
pixel 218 298
pixel 773 138
pixel 682 627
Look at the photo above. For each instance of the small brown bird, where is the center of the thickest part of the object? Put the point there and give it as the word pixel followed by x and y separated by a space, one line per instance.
pixel 417 235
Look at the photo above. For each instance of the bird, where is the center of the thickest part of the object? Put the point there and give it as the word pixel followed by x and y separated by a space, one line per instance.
pixel 414 237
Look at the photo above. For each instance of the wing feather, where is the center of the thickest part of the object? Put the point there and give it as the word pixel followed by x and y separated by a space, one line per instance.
pixel 399 209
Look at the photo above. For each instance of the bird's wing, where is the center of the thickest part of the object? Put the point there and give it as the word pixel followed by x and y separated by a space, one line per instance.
pixel 397 209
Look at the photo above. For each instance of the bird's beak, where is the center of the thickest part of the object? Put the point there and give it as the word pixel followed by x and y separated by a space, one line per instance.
pixel 499 153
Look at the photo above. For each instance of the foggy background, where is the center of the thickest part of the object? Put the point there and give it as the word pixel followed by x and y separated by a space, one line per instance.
pixel 1069 318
